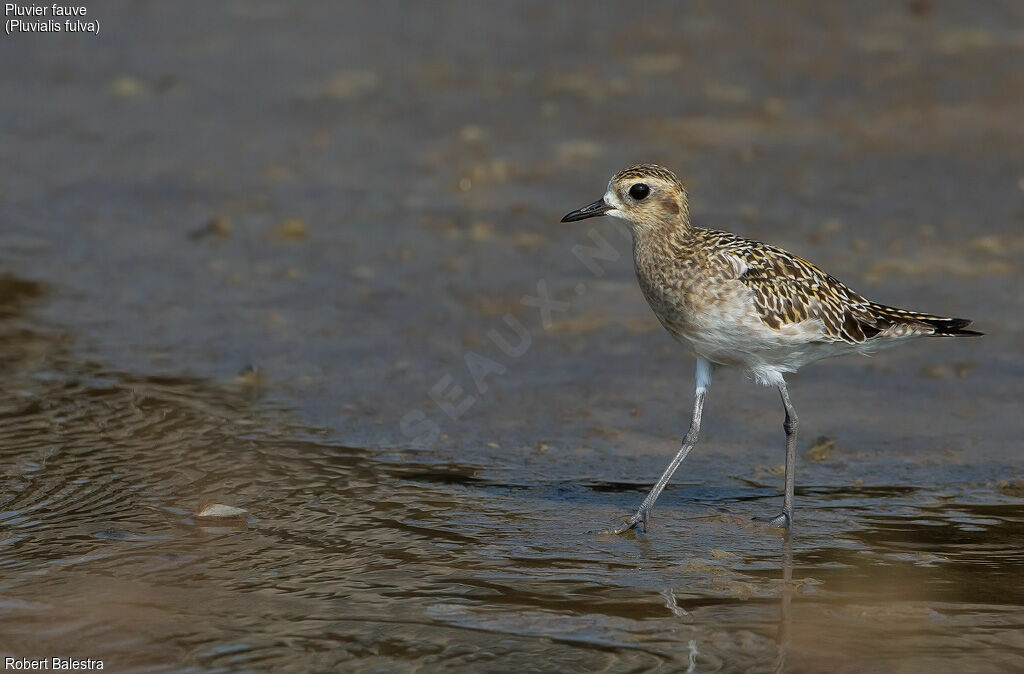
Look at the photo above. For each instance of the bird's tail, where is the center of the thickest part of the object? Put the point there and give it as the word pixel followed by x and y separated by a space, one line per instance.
pixel 939 326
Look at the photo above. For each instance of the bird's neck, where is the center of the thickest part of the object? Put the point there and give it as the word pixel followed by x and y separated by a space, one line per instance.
pixel 662 237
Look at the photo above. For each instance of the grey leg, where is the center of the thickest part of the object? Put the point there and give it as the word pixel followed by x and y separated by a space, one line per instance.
pixel 785 518
pixel 643 513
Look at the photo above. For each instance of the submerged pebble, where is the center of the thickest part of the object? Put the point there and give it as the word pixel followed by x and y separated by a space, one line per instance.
pixel 220 511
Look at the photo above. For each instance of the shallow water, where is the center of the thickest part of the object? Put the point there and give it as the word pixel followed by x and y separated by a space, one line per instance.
pixel 384 209
pixel 373 559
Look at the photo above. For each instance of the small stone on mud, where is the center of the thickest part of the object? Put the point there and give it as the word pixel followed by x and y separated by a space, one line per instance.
pixel 127 86
pixel 821 450
pixel 217 226
pixel 1011 488
pixel 290 229
pixel 472 133
pixel 346 84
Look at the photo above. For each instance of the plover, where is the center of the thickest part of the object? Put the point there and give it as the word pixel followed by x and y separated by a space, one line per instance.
pixel 742 303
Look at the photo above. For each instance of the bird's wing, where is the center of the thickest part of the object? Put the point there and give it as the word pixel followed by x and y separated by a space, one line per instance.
pixel 788 289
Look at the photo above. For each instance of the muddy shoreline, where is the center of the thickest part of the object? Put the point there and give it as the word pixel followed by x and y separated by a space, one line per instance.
pixel 254 255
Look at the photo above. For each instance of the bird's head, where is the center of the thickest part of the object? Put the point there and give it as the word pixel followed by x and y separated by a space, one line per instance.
pixel 647 196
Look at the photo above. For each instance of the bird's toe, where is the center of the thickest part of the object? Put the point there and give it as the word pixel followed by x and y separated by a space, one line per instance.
pixel 637 522
pixel 781 521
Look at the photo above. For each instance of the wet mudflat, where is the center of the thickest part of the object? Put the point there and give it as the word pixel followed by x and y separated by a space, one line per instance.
pixel 253 255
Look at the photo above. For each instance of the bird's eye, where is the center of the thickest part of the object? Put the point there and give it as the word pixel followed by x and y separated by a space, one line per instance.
pixel 639 191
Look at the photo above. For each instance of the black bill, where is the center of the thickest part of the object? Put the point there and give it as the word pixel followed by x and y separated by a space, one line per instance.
pixel 589 211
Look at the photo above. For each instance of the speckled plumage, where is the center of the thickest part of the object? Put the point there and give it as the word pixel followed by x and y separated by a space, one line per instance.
pixel 745 303
pixel 742 303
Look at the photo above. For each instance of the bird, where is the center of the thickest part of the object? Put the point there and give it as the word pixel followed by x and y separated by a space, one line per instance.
pixel 737 302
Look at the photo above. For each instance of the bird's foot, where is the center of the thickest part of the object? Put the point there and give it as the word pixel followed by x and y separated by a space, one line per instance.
pixel 638 521
pixel 781 521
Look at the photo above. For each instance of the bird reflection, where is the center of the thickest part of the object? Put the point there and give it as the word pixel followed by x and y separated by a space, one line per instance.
pixel 785 634
pixel 785 630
